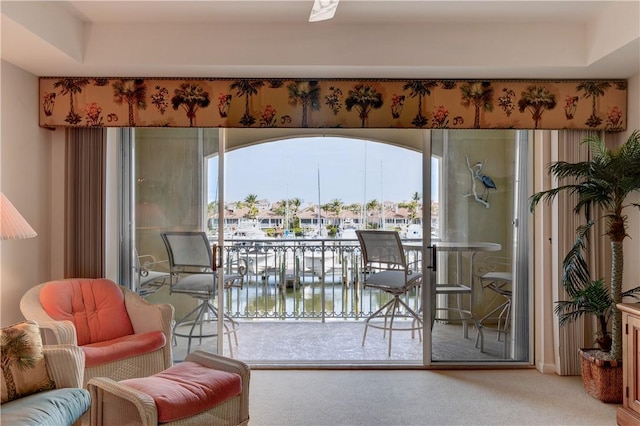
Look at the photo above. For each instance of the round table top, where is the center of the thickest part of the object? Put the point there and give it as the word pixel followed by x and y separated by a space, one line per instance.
pixel 457 246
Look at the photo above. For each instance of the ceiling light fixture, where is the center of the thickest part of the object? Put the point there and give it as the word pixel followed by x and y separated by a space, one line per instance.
pixel 323 10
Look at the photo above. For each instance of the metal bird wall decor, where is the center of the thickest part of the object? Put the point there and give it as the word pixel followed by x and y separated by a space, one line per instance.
pixel 487 182
pixel 477 174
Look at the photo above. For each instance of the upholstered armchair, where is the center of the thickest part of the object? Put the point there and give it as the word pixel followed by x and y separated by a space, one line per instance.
pixel 122 335
pixel 40 385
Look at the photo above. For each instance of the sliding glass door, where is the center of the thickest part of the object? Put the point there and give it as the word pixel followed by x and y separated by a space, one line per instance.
pixel 169 194
pixel 288 224
pixel 481 295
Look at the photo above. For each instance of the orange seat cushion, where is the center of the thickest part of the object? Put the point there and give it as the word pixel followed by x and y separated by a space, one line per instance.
pixel 123 347
pixel 187 389
pixel 95 307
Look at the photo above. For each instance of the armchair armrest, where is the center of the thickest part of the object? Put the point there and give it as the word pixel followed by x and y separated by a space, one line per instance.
pixel 58 333
pixel 230 365
pixel 222 363
pixel 147 316
pixel 65 365
pixel 126 404
pixel 53 332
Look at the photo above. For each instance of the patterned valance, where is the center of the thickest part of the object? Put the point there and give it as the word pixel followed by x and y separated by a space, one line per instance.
pixel 339 103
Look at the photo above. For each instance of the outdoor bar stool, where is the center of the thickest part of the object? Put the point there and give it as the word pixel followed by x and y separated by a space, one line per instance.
pixel 384 258
pixel 494 273
pixel 193 271
pixel 204 389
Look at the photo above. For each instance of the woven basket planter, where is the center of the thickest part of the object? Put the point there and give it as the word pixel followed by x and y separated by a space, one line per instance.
pixel 602 379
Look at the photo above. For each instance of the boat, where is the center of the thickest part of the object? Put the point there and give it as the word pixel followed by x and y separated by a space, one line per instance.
pixel 413 231
pixel 248 233
pixel 348 233
pixel 313 261
pixel 259 259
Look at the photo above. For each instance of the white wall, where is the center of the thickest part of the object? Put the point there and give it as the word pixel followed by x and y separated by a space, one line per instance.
pixel 25 168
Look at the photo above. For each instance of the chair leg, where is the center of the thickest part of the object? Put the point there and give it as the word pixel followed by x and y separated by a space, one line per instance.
pixel 390 309
pixel 503 318
pixel 200 312
pixel 228 329
pixel 204 312
pixel 417 319
pixel 375 314
pixel 234 327
pixel 394 308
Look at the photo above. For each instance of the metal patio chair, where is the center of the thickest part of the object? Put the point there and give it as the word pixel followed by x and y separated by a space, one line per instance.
pixel 386 269
pixel 193 272
pixel 149 279
pixel 494 274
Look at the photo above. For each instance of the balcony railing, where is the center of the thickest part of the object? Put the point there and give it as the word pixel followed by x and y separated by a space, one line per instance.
pixel 302 279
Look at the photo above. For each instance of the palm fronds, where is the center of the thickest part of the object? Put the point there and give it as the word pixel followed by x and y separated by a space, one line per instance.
pixel 575 268
pixel 591 298
pixel 605 181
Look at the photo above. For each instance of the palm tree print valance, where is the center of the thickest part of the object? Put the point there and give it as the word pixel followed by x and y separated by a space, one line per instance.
pixel 324 103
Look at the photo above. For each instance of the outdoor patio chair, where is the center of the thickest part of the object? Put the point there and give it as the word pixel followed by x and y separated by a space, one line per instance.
pixel 149 278
pixel 193 272
pixel 386 269
pixel 494 274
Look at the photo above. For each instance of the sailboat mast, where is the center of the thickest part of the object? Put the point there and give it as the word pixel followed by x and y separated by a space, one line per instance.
pixel 286 203
pixel 382 197
pixel 319 215
pixel 364 191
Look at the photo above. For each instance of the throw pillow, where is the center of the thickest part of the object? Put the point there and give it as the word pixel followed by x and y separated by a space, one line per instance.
pixel 24 370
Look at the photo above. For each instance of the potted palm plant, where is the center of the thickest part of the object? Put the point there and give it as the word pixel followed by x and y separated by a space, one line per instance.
pixel 604 182
pixel 589 298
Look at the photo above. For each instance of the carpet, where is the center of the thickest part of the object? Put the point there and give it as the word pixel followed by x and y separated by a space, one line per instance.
pixel 421 397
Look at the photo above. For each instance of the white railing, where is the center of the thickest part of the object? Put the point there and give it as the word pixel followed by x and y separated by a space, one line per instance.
pixel 301 278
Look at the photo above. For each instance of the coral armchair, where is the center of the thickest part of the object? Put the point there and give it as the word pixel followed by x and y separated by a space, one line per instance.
pixel 122 335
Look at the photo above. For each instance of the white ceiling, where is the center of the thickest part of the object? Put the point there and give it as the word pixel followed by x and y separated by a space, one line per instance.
pixel 367 38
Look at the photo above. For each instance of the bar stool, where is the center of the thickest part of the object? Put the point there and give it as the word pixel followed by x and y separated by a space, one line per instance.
pixel 499 282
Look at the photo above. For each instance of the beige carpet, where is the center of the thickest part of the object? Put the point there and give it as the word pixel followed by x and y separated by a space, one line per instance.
pixel 406 397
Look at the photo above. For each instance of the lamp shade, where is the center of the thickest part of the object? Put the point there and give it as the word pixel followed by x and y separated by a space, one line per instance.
pixel 12 225
pixel 150 215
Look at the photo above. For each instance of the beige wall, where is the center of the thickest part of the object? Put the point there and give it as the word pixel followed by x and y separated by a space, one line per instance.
pixel 632 245
pixel 26 171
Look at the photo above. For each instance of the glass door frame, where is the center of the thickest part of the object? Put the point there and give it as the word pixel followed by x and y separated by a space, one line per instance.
pixel 222 142
pixel 428 278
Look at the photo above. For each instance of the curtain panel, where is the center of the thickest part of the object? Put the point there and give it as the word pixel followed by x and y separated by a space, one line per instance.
pixel 85 203
pixel 577 334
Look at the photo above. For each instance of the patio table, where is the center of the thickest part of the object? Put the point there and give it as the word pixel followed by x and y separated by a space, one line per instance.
pixel 459 247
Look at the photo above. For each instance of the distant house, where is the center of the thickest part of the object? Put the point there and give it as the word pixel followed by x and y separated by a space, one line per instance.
pixel 394 217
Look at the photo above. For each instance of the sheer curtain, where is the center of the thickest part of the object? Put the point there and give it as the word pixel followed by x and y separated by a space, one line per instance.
pixel 85 203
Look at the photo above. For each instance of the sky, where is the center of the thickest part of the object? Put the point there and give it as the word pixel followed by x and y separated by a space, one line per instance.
pixel 289 169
